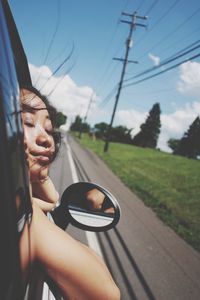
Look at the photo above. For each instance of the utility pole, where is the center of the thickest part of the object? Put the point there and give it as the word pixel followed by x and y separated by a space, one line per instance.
pixel 133 25
pixel 85 118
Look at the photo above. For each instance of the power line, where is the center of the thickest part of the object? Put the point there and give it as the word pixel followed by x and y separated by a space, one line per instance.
pixel 59 67
pixel 161 18
pixel 161 72
pixel 178 41
pixel 85 118
pixel 182 50
pixel 164 15
pixel 158 21
pixel 61 79
pixel 172 32
pixel 109 69
pixel 126 4
pixel 175 56
pixel 152 92
pixel 140 5
pixel 108 97
pixel 60 53
pixel 151 7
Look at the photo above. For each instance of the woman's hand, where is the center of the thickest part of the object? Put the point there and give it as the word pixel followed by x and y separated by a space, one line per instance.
pixel 43 190
pixel 37 174
pixel 45 193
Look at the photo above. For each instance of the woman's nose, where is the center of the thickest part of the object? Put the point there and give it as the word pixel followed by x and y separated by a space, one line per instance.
pixel 44 140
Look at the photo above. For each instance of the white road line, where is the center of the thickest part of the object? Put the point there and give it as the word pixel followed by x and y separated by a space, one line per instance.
pixel 71 164
pixel 90 236
pixel 93 242
pixel 46 293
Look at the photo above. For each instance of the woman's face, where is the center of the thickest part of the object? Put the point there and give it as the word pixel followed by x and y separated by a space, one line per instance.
pixel 38 139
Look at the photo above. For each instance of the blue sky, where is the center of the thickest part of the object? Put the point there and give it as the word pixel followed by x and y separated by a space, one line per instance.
pixel 94 29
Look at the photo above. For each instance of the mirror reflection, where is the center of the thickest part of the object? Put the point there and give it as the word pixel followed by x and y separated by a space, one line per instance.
pixel 91 207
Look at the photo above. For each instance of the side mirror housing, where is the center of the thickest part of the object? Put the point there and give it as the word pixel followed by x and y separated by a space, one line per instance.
pixel 87 206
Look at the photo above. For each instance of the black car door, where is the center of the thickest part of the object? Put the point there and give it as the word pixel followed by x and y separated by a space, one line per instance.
pixel 15 208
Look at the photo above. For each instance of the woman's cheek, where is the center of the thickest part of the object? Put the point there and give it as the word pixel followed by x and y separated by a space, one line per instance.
pixel 53 145
pixel 28 145
pixel 28 137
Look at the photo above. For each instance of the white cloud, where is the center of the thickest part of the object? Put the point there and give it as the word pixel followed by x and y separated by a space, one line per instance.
pixel 174 125
pixel 63 92
pixel 155 59
pixel 131 119
pixel 189 82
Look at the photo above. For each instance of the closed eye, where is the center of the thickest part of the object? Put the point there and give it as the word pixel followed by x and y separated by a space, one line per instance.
pixel 29 124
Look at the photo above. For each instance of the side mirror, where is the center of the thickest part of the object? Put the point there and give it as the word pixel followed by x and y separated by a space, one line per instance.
pixel 90 207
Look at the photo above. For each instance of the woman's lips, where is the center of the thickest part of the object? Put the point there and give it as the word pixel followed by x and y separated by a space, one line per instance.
pixel 42 159
pixel 38 159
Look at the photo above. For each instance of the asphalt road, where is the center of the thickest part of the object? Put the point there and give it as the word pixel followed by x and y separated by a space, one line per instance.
pixel 146 258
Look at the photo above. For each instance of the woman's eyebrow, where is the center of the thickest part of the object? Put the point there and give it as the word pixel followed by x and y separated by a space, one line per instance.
pixel 31 109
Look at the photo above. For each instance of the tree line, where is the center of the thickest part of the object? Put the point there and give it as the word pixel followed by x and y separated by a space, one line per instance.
pixel 147 137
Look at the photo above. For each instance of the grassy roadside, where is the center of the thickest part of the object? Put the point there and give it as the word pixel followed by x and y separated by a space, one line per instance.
pixel 167 183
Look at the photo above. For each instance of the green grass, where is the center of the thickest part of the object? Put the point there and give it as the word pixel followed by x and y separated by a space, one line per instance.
pixel 167 183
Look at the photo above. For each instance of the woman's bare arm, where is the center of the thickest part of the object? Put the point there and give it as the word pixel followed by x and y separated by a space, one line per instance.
pixel 77 270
